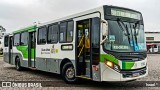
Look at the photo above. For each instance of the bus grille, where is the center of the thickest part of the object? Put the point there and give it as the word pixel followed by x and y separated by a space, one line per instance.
pixel 131 58
pixel 133 73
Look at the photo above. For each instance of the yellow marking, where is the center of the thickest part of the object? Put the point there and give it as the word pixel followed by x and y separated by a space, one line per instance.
pixel 84 77
pixel 56 50
pixel 81 40
pixel 81 51
pixel 87 68
pixel 80 25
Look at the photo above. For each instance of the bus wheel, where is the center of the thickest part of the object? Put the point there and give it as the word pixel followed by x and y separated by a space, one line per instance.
pixel 68 73
pixel 18 65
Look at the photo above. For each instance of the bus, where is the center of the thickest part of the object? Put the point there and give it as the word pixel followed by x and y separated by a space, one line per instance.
pixel 102 44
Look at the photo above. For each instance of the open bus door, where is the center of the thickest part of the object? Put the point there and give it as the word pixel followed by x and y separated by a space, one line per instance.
pixel 31 50
pixel 88 48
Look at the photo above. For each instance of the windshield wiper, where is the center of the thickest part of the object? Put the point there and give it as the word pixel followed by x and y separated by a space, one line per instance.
pixel 126 28
pixel 136 33
pixel 137 23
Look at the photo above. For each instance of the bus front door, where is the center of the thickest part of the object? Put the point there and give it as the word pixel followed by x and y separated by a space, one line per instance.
pixel 88 48
pixel 83 49
pixel 31 50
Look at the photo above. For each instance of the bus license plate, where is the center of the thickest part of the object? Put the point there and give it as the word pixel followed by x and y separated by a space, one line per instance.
pixel 135 74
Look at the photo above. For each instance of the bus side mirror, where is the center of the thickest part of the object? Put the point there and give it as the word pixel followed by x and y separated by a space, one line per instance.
pixel 104 31
pixel 104 28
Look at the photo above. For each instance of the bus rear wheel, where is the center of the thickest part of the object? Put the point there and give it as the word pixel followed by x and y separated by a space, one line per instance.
pixel 18 65
pixel 68 73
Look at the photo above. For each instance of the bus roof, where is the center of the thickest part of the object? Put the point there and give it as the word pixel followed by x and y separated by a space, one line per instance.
pixel 28 29
pixel 86 12
pixel 98 9
pixel 95 10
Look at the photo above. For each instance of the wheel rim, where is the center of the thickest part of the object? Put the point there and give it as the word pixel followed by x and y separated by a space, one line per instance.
pixel 70 72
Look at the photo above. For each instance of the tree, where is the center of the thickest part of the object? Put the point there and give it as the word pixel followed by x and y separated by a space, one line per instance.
pixel 2 31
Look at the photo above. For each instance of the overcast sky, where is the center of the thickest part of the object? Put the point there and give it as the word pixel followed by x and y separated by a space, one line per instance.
pixel 15 14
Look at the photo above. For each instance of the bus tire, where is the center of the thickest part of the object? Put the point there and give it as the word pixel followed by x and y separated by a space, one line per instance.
pixel 68 73
pixel 18 64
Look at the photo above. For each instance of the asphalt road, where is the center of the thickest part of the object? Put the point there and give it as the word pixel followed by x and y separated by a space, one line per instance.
pixel 9 73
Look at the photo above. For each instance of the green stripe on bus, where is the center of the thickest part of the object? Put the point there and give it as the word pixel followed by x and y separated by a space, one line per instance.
pixel 29 29
pixel 127 65
pixel 24 51
pixel 108 57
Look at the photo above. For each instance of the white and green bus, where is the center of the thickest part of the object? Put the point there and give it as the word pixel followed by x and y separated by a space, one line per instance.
pixel 103 44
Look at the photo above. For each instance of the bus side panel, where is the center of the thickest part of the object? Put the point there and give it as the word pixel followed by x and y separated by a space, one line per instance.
pixel 41 64
pixel 17 53
pixel 52 65
pixel 12 60
pixel 48 64
pixel 5 56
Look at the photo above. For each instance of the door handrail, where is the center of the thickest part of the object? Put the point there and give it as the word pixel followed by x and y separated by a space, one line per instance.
pixel 81 41
pixel 81 51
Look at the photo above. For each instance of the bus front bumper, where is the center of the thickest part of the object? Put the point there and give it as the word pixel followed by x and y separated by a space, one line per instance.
pixel 112 75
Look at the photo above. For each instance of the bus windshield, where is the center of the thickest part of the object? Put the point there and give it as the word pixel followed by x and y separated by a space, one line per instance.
pixel 125 37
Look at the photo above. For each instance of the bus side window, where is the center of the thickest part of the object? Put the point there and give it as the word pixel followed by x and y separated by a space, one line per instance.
pixel 24 38
pixel 42 35
pixel 16 39
pixel 63 27
pixel 70 27
pixel 53 33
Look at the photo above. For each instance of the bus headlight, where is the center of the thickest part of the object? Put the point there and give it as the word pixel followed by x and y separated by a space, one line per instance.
pixel 109 64
pixel 112 65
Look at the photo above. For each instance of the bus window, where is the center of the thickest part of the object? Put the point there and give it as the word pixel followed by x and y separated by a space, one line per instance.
pixel 53 34
pixel 16 39
pixel 6 41
pixel 63 27
pixel 42 35
pixel 70 27
pixel 24 38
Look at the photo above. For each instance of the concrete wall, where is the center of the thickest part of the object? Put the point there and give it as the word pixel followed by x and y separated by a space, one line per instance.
pixel 156 42
pixel 156 36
